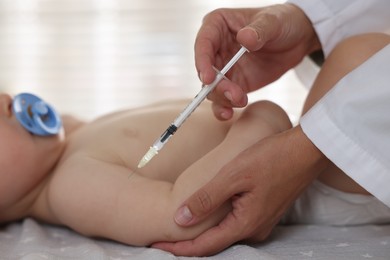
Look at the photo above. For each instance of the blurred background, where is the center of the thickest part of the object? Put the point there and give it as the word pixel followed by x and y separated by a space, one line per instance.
pixel 91 57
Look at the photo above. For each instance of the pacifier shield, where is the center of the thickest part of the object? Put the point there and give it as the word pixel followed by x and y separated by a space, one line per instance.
pixel 35 115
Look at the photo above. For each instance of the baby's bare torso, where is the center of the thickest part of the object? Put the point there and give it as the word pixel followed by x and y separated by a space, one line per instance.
pixel 124 137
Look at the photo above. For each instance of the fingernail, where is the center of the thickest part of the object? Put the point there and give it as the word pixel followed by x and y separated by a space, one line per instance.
pixel 183 215
pixel 258 37
pixel 224 115
pixel 228 96
pixel 201 77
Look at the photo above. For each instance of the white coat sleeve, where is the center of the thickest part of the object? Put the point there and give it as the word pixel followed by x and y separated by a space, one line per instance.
pixel 335 20
pixel 351 125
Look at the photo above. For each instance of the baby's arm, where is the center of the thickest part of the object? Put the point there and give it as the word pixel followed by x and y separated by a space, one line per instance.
pixel 103 201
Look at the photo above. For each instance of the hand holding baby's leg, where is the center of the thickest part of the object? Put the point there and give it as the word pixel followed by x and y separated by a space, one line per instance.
pixel 258 120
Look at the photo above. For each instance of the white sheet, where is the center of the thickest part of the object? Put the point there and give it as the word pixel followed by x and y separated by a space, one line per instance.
pixel 30 240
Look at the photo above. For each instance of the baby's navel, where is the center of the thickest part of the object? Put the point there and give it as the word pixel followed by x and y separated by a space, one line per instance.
pixel 130 132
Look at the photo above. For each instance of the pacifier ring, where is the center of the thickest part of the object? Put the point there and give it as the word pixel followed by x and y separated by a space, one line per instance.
pixel 35 115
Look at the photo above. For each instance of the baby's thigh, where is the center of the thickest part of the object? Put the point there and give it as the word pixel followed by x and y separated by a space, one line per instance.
pixel 257 121
pixel 345 57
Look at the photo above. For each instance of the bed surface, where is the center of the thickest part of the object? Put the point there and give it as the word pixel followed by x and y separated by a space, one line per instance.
pixel 31 240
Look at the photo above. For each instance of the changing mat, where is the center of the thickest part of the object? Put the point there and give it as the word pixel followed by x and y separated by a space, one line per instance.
pixel 32 240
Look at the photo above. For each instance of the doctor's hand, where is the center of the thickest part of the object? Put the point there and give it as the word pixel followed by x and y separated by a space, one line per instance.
pixel 262 183
pixel 278 37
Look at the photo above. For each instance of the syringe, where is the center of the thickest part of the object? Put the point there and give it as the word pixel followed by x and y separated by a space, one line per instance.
pixel 160 142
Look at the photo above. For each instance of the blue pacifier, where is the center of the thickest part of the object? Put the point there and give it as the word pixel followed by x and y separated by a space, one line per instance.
pixel 35 115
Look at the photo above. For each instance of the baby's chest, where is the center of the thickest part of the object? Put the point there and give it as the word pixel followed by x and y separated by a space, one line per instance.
pixel 119 144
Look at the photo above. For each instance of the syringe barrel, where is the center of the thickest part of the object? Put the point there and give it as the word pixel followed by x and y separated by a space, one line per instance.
pixel 197 100
pixel 159 143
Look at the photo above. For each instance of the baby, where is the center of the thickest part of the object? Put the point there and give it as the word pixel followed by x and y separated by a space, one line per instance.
pixel 86 177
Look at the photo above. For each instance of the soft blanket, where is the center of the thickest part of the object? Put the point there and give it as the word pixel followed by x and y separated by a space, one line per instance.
pixel 32 240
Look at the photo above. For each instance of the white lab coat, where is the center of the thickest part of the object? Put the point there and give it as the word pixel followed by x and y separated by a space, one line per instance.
pixel 351 123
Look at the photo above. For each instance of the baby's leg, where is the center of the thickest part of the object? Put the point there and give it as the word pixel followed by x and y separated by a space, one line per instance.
pixel 346 56
pixel 259 120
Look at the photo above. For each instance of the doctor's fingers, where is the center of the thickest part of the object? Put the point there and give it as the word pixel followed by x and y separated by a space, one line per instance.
pixel 227 95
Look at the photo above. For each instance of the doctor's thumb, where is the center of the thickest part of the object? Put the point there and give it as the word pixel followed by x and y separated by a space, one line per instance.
pixel 255 35
pixel 200 205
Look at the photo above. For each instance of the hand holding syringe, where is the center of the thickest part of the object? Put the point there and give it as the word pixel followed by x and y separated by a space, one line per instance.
pixel 160 142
